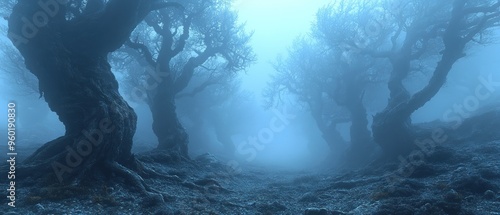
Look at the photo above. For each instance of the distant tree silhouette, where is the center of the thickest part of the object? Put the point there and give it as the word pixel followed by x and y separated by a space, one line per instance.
pixel 333 87
pixel 361 42
pixel 203 39
pixel 442 30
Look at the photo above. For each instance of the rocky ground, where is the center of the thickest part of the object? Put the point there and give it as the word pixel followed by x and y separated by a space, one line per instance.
pixel 458 178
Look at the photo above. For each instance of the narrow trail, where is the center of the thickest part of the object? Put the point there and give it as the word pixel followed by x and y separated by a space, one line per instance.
pixel 462 178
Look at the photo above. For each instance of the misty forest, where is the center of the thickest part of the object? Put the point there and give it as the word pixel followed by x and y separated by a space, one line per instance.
pixel 325 107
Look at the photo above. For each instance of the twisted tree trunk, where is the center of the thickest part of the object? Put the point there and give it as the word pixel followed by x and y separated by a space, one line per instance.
pixel 333 138
pixel 172 136
pixel 328 129
pixel 69 58
pixel 361 140
pixel 350 94
pixel 391 130
pixel 392 127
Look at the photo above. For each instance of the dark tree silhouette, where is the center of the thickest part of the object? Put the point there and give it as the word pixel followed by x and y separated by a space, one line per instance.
pixel 204 37
pixel 451 25
pixel 307 75
pixel 220 111
pixel 318 72
pixel 65 45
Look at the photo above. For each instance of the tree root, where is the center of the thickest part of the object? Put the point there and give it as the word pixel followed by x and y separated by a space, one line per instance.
pixel 151 173
pixel 130 177
pixel 163 157
pixel 152 197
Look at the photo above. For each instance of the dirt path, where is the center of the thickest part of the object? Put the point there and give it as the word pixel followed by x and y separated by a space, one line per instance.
pixel 464 179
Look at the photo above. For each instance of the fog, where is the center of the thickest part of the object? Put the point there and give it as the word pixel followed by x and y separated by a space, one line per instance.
pixel 241 108
pixel 250 106
pixel 462 82
pixel 275 24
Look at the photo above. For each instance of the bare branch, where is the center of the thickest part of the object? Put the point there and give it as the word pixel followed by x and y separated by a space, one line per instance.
pixel 142 49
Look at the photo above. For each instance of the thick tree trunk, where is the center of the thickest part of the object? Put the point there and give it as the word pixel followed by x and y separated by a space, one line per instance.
pixel 392 127
pixel 391 130
pixel 360 135
pixel 361 140
pixel 350 95
pixel 328 129
pixel 334 139
pixel 99 123
pixel 69 58
pixel 172 136
pixel 330 134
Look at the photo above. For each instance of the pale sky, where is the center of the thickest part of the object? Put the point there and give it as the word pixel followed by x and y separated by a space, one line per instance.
pixel 276 23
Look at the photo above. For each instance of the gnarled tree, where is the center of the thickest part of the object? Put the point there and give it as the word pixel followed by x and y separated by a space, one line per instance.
pixel 204 37
pixel 331 83
pixel 65 44
pixel 306 74
pixel 419 27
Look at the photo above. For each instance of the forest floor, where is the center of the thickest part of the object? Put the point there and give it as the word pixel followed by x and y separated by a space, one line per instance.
pixel 458 178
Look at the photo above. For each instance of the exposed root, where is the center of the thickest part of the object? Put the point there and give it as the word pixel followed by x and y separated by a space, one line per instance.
pixel 49 150
pixel 152 197
pixel 130 177
pixel 151 173
pixel 164 157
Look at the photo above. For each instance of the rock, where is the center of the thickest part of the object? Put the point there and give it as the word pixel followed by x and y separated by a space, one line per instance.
pixel 207 158
pixel 473 184
pixel 426 207
pixel 152 200
pixel 489 194
pixel 452 196
pixel 450 207
pixel 477 160
pixel 316 211
pixel 169 198
pixel 490 172
pixel 470 199
pixel 308 197
pixel 39 207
